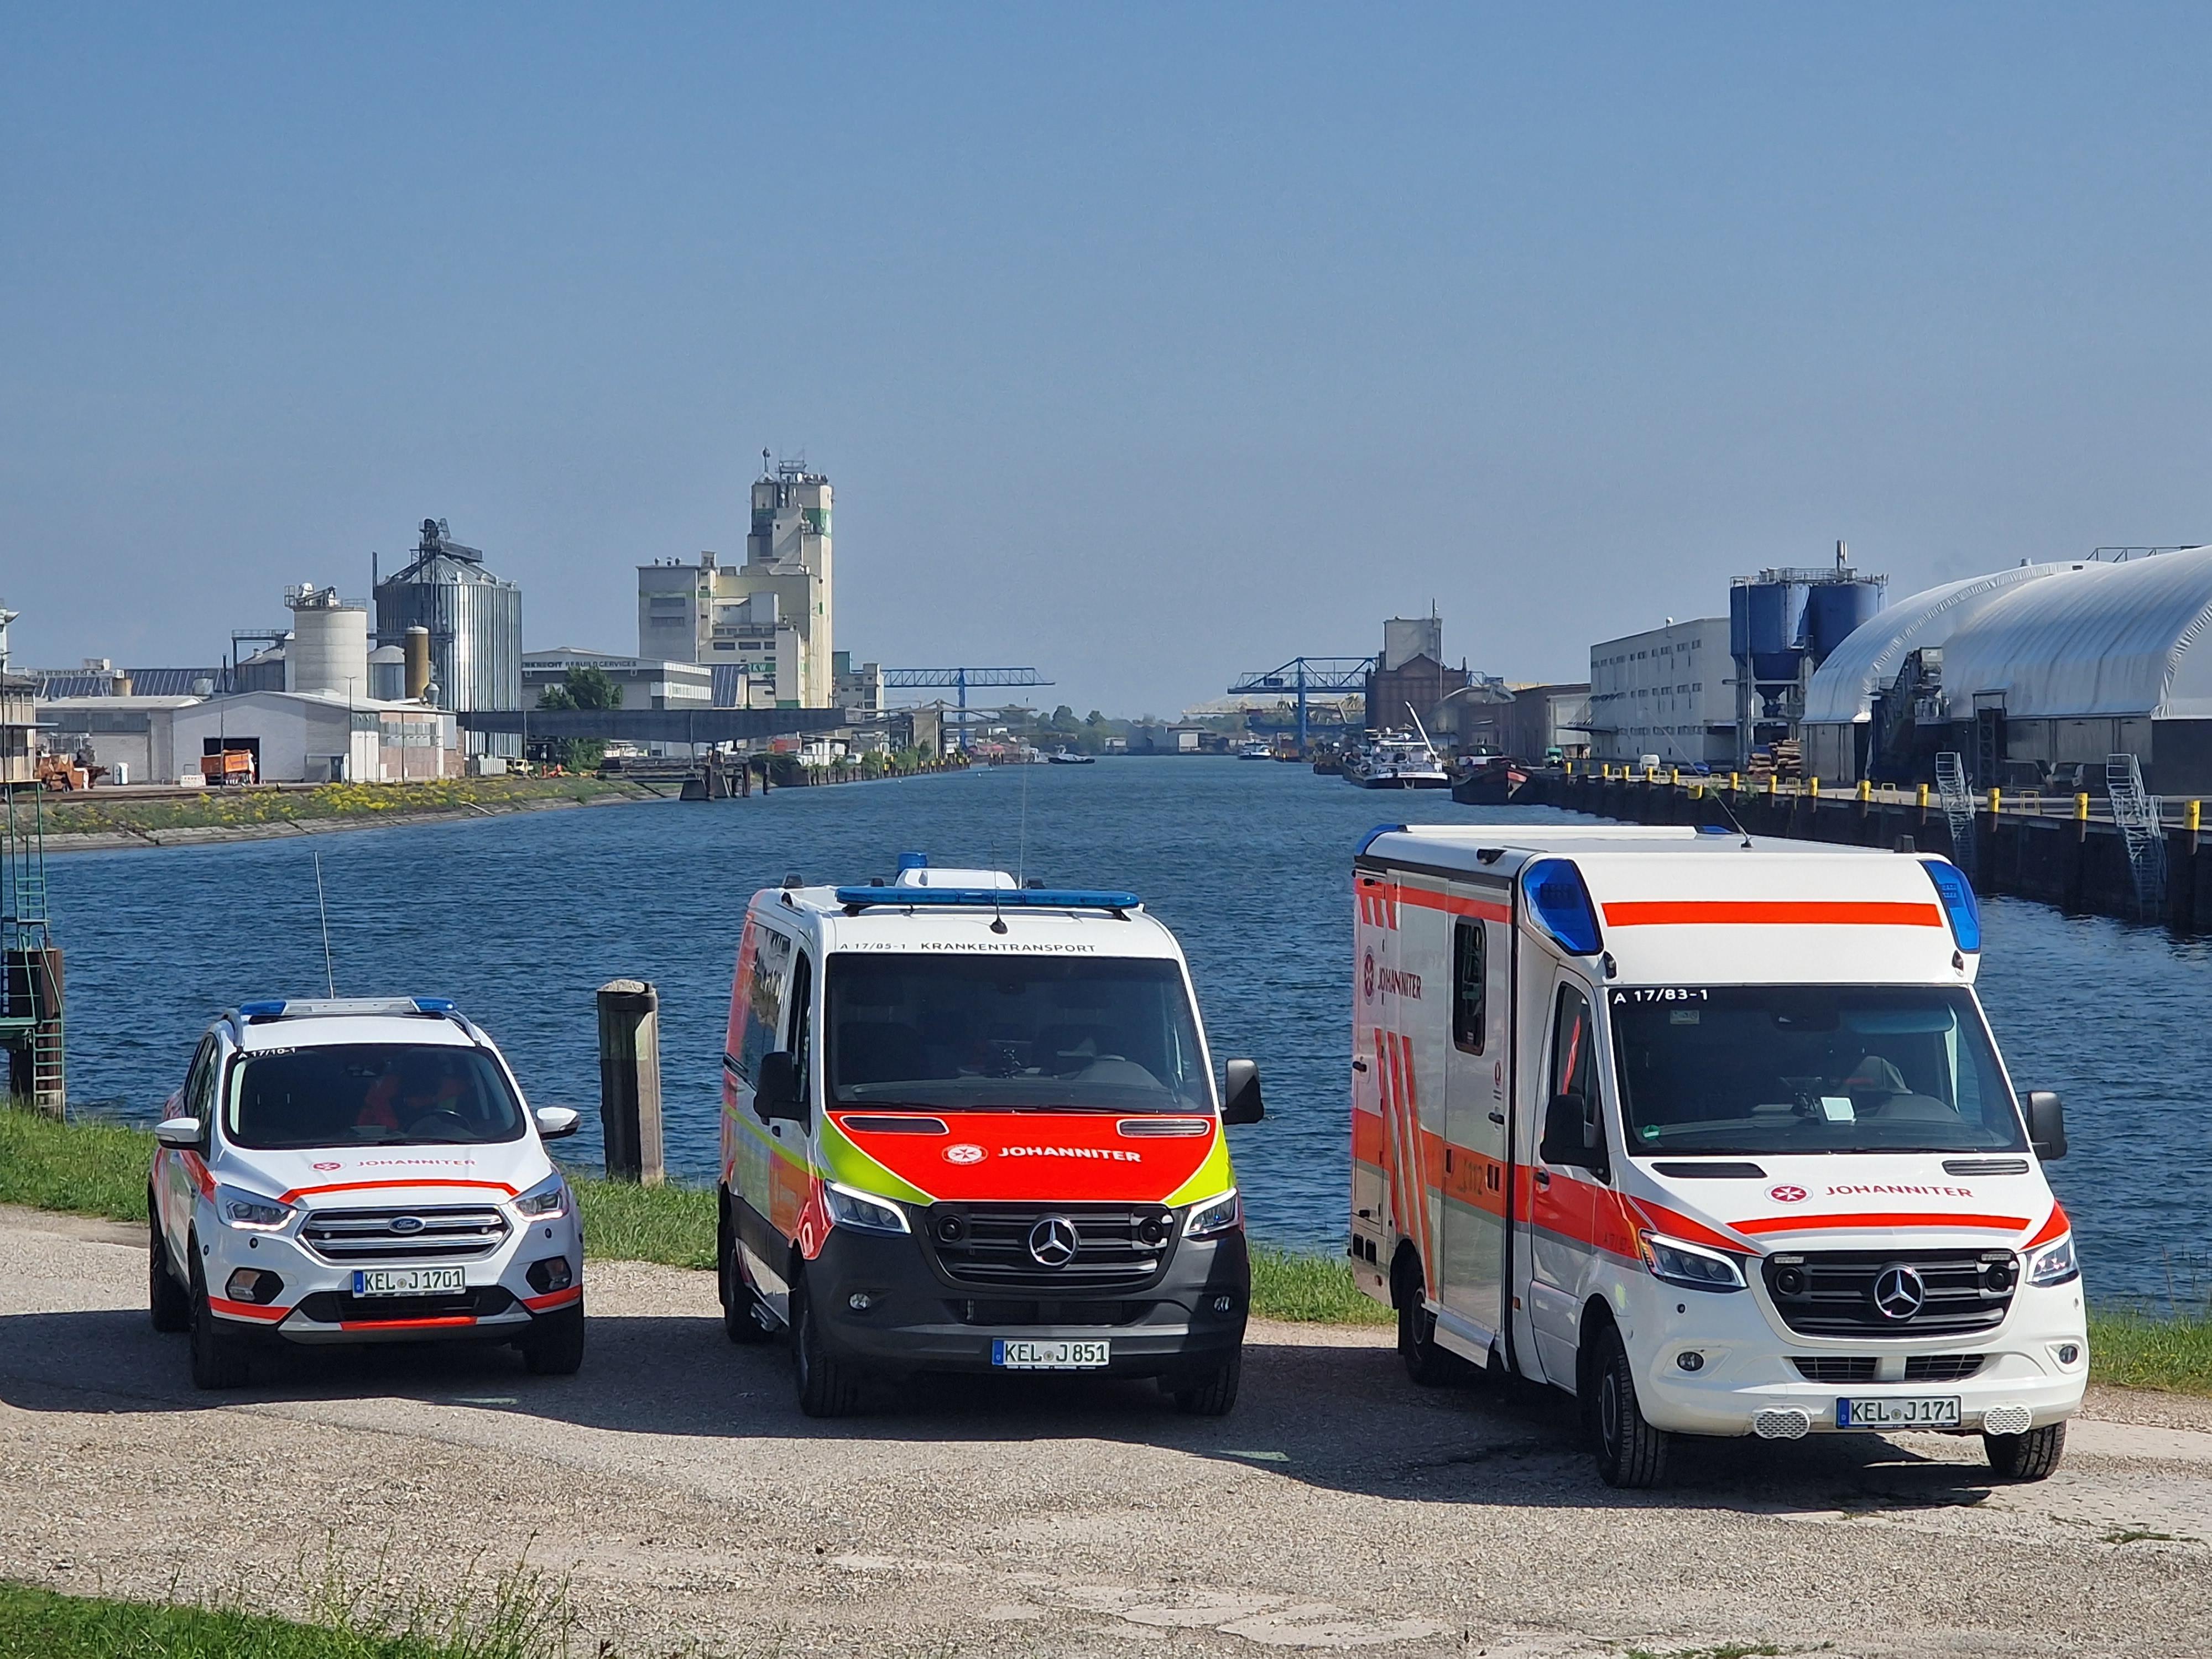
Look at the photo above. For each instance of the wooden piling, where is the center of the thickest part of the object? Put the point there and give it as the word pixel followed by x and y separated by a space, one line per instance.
pixel 629 1081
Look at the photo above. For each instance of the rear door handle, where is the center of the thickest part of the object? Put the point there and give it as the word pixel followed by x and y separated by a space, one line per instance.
pixel 1543 1178
pixel 1497 1117
pixel 1358 1065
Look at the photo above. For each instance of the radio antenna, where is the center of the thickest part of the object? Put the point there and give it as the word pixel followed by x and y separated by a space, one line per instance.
pixel 1022 845
pixel 1718 799
pixel 329 973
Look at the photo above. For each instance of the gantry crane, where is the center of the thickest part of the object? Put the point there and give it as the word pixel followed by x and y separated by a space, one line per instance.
pixel 912 679
pixel 1303 674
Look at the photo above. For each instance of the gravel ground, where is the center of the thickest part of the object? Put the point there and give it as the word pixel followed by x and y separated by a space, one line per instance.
pixel 689 1506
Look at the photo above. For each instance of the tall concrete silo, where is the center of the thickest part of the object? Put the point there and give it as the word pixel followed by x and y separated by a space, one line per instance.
pixel 475 623
pixel 329 647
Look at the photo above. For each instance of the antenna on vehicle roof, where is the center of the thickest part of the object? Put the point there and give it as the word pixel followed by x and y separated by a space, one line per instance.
pixel 1022 846
pixel 329 973
pixel 1718 799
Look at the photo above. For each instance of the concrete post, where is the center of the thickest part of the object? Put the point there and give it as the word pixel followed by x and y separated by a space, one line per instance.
pixel 629 1081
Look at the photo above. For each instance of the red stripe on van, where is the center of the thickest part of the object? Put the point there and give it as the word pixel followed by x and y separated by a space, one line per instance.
pixel 2054 1227
pixel 1452 904
pixel 1813 1223
pixel 1771 913
pixel 378 1186
pixel 245 1310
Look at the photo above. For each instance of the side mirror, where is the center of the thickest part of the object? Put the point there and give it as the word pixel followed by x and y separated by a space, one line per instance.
pixel 555 1122
pixel 2046 1124
pixel 1572 1138
pixel 1240 1101
pixel 181 1133
pixel 775 1090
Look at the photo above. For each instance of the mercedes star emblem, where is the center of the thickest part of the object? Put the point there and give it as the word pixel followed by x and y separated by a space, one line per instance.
pixel 1053 1242
pixel 1898 1293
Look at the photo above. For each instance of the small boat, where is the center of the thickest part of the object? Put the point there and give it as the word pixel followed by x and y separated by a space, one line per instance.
pixel 1488 780
pixel 1065 757
pixel 1255 751
pixel 1396 760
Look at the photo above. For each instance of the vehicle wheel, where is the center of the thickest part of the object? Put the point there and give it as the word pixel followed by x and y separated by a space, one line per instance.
pixel 219 1358
pixel 1428 1364
pixel 2030 1456
pixel 554 1345
pixel 169 1302
pixel 1629 1451
pixel 1209 1393
pixel 744 1321
pixel 827 1385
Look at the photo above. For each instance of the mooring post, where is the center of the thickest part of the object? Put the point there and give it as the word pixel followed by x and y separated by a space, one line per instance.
pixel 629 1081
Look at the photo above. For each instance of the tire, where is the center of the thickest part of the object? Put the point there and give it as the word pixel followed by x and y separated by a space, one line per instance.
pixel 2030 1456
pixel 1209 1393
pixel 1630 1453
pixel 826 1386
pixel 554 1345
pixel 169 1302
pixel 219 1358
pixel 1429 1365
pixel 744 1322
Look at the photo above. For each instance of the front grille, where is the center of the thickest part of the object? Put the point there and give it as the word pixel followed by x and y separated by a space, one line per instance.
pixel 343 1307
pixel 977 1311
pixel 1118 1246
pixel 1941 1367
pixel 1831 1293
pixel 1835 1368
pixel 449 1234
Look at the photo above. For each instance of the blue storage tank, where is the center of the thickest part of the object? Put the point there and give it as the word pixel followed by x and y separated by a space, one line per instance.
pixel 1766 621
pixel 1834 611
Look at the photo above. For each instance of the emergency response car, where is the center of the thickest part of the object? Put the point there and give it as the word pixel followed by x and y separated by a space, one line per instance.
pixel 1710 1133
pixel 970 1125
pixel 360 1171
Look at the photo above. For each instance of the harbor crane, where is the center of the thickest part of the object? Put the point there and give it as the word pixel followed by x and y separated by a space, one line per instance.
pixel 1303 674
pixel 960 679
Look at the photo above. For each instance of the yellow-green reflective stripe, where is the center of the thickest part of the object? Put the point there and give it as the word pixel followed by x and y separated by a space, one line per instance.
pixel 1211 1179
pixel 849 1163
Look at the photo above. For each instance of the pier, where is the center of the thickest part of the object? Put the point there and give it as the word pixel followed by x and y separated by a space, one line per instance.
pixel 2063 851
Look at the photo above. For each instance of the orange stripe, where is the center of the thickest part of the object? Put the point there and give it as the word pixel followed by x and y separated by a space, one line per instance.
pixel 246 1309
pixel 406 1324
pixel 2053 1227
pixel 197 1169
pixel 1453 904
pixel 1366 1137
pixel 1811 1224
pixel 1771 913
pixel 555 1299
pixel 378 1186
pixel 1675 1224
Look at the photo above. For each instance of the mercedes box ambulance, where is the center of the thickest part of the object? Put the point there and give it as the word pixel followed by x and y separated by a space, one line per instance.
pixel 971 1125
pixel 1709 1133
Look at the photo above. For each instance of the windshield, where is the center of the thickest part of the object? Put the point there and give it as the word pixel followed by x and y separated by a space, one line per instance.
pixel 1013 1032
pixel 1812 1068
pixel 376 1094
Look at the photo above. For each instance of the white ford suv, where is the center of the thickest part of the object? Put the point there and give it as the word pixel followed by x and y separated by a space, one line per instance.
pixel 360 1171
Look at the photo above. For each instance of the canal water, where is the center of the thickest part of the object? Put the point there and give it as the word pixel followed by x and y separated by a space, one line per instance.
pixel 520 918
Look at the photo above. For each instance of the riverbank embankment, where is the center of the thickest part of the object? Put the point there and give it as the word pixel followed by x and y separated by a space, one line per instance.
pixel 105 821
pixel 2048 848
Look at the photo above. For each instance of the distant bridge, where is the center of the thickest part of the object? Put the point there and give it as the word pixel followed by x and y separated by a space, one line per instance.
pixel 699 726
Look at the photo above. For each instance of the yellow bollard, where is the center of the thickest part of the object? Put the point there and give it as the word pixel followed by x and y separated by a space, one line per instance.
pixel 1866 789
pixel 1920 798
pixel 1674 777
pixel 2081 808
pixel 1815 790
pixel 2190 820
pixel 1734 788
pixel 1995 803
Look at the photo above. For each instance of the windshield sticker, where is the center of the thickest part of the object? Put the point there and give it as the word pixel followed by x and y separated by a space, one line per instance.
pixel 1838 1109
pixel 1681 1017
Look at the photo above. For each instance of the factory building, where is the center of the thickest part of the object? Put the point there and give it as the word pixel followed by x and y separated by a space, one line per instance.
pixel 317 736
pixel 1668 691
pixel 1783 625
pixel 1410 679
pixel 472 624
pixel 772 617
pixel 1541 717
pixel 642 684
pixel 131 736
pixel 18 722
pixel 859 691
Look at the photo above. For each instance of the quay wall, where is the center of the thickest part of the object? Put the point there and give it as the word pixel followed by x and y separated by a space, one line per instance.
pixel 2076 864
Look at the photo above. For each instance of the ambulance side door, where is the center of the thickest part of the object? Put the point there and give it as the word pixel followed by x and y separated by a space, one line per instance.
pixel 1564 1197
pixel 1386 1056
pixel 1372 1186
pixel 759 1019
pixel 1475 997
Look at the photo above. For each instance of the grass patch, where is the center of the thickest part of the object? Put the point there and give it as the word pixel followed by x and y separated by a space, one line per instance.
pixel 93 813
pixel 86 1168
pixel 2145 1351
pixel 1309 1290
pixel 623 1222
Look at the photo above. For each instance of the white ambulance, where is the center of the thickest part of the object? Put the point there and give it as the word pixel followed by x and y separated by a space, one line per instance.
pixel 1709 1132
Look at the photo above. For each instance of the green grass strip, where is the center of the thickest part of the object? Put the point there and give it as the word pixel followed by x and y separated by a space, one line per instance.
pixel 2146 1351
pixel 236 809
pixel 85 1168
pixel 39 1624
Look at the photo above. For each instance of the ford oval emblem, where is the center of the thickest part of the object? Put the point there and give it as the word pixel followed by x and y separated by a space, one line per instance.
pixel 407 1223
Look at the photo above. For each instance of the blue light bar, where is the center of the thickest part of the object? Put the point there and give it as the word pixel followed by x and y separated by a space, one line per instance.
pixel 1959 904
pixel 436 1006
pixel 914 861
pixel 1561 905
pixel 986 898
pixel 272 1009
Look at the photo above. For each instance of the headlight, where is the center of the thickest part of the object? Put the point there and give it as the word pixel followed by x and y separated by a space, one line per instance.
pixel 850 1208
pixel 249 1210
pixel 2055 1266
pixel 548 1198
pixel 1216 1215
pixel 1691 1265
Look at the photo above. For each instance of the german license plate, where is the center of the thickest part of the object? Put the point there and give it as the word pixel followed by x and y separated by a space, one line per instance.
pixel 1893 1414
pixel 1050 1355
pixel 408 1281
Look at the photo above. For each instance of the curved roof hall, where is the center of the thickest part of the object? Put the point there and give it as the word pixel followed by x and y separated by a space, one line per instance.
pixel 1842 689
pixel 2096 641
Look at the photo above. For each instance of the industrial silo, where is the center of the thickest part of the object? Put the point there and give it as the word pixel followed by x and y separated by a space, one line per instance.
pixel 329 647
pixel 1783 624
pixel 474 620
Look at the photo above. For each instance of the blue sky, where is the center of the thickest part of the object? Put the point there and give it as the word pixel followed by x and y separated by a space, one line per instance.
pixel 1147 345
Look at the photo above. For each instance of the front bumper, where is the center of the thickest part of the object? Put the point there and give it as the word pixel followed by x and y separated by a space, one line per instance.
pixel 1747 1367
pixel 919 1320
pixel 317 1307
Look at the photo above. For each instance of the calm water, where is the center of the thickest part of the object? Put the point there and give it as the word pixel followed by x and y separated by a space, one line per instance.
pixel 520 917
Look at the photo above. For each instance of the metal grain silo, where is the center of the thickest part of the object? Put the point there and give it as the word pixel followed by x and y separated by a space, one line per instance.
pixel 474 622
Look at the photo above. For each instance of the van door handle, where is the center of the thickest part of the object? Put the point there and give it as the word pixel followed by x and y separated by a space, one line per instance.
pixel 1497 1117
pixel 1544 1178
pixel 1358 1065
